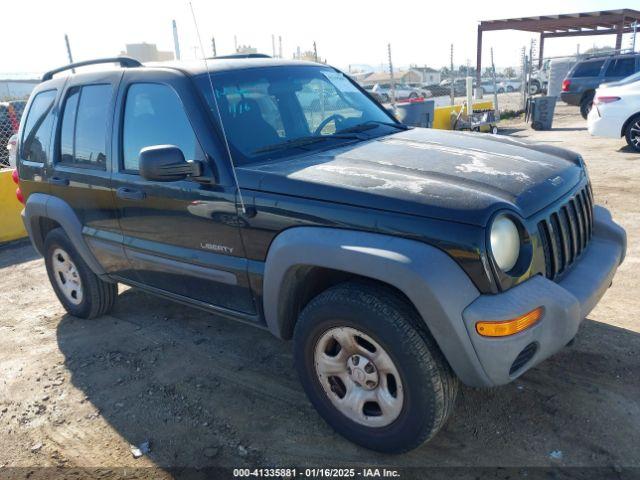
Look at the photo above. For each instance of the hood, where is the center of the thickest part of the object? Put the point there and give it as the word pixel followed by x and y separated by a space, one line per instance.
pixel 457 176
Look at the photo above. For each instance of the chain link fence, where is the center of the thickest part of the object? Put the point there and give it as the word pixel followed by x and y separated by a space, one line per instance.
pixel 10 114
pixel 14 93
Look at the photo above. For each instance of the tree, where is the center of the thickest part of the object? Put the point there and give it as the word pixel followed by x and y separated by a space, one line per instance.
pixel 509 72
pixel 598 50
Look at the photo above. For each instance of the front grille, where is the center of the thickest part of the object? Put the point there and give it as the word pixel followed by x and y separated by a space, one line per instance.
pixel 523 357
pixel 566 232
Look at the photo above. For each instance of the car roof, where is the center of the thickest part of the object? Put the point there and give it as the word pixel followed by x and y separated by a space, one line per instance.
pixel 213 65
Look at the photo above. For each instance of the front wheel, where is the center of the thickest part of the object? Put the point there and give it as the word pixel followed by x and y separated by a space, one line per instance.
pixel 372 374
pixel 632 133
pixel 82 293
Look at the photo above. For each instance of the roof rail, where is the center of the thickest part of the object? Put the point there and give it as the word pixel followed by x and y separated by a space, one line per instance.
pixel 241 55
pixel 126 62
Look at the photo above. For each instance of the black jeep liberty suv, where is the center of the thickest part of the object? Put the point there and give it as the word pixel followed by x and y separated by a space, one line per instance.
pixel 279 193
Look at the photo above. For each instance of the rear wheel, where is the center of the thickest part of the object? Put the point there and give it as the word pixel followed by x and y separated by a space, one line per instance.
pixel 372 374
pixel 82 293
pixel 632 133
pixel 585 106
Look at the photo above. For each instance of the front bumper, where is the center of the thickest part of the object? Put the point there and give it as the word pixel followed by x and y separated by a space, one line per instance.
pixel 566 303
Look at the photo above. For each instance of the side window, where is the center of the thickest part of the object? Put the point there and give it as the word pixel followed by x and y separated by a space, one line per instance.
pixel 154 115
pixel 589 68
pixel 621 67
pixel 37 128
pixel 83 134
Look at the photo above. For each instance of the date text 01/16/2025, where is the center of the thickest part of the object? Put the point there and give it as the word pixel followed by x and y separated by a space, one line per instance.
pixel 316 473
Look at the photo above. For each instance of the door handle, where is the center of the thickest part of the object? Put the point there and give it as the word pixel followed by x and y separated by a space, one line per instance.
pixel 59 181
pixel 128 194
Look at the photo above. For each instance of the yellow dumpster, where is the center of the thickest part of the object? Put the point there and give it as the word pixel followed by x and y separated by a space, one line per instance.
pixel 11 227
pixel 442 115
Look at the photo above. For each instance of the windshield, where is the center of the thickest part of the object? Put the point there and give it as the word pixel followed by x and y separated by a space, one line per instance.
pixel 280 111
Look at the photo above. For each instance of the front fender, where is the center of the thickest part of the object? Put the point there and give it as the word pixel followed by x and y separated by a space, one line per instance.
pixel 438 288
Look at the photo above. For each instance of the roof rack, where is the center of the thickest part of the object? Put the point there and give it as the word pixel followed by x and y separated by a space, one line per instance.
pixel 241 55
pixel 125 62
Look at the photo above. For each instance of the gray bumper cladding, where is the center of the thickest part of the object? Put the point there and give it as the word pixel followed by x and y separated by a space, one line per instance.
pixel 565 303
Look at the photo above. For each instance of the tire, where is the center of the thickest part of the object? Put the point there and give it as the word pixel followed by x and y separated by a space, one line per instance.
pixel 80 291
pixel 585 106
pixel 510 89
pixel 632 133
pixel 376 324
pixel 413 95
pixel 534 87
pixel 494 129
pixel 501 90
pixel 385 98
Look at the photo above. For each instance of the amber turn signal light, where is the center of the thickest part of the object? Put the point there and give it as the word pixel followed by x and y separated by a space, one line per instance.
pixel 510 327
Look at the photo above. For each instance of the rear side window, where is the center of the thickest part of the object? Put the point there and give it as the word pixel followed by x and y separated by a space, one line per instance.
pixel 154 115
pixel 621 67
pixel 36 137
pixel 590 68
pixel 83 134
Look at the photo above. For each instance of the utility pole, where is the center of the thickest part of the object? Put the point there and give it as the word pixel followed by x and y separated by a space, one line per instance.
pixel 393 81
pixel 495 88
pixel 66 41
pixel 315 51
pixel 453 77
pixel 235 43
pixel 279 46
pixel 523 77
pixel 213 46
pixel 633 39
pixel 273 45
pixel 176 43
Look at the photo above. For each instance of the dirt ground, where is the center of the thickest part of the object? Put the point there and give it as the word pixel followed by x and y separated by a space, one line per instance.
pixel 205 391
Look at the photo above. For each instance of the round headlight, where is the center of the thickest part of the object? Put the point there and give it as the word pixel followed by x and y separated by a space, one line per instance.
pixel 505 243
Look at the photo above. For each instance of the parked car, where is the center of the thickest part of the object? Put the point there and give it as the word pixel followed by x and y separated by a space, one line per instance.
pixel 487 87
pixel 11 147
pixel 437 90
pixel 579 86
pixel 402 91
pixel 511 85
pixel 421 89
pixel 396 263
pixel 616 112
pixel 376 95
pixel 10 114
pixel 459 86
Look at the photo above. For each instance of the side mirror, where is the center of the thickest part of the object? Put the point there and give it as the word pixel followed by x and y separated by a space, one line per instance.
pixel 166 163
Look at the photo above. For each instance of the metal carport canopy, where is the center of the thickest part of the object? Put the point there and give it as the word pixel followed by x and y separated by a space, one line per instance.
pixel 605 22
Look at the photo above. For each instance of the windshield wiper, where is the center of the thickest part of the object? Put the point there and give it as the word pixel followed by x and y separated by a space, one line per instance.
pixel 371 124
pixel 304 141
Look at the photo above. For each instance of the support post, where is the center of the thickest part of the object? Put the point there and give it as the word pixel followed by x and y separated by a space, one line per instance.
pixel 619 29
pixel 479 56
pixel 541 51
